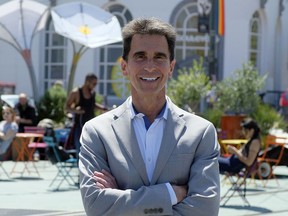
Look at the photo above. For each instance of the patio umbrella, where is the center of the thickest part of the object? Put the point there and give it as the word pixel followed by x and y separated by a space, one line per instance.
pixel 87 25
pixel 19 22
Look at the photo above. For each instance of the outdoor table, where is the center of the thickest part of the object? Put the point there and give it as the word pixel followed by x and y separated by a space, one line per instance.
pixel 20 144
pixel 234 142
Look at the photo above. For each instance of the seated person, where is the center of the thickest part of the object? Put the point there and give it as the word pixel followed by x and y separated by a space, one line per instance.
pixel 8 129
pixel 26 114
pixel 247 154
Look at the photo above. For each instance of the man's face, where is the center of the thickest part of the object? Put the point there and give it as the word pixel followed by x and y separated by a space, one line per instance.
pixel 23 101
pixel 148 66
pixel 92 84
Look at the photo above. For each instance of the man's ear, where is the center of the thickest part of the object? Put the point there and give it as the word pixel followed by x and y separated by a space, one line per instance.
pixel 172 65
pixel 124 67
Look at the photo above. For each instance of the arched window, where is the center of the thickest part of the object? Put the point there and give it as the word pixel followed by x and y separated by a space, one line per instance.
pixel 190 43
pixel 255 38
pixel 112 84
pixel 55 63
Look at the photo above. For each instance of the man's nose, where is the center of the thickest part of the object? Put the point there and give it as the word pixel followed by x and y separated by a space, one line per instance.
pixel 150 65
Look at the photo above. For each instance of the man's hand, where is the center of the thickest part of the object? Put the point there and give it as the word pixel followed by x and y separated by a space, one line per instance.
pixel 79 111
pixel 18 119
pixel 105 180
pixel 180 191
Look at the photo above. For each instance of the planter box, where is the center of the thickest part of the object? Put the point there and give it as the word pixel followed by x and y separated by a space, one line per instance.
pixel 230 125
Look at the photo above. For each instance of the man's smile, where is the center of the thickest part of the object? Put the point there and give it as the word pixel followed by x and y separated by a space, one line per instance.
pixel 149 79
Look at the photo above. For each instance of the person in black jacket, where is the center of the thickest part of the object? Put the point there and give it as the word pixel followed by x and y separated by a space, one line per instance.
pixel 26 114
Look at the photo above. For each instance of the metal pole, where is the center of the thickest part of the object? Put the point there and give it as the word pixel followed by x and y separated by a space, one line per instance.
pixel 212 44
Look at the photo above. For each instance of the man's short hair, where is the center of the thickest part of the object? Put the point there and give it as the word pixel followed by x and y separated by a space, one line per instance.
pixel 150 26
pixel 90 76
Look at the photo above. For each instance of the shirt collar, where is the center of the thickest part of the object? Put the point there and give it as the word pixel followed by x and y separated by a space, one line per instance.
pixel 163 113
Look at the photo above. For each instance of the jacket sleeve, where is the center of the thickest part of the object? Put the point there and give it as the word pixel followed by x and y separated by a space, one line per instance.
pixel 204 185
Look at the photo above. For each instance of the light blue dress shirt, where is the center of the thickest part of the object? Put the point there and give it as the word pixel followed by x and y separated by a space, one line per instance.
pixel 149 136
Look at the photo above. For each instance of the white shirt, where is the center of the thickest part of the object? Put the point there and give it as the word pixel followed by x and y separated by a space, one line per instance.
pixel 149 141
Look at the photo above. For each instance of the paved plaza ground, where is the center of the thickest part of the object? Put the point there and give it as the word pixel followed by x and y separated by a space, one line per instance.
pixel 31 195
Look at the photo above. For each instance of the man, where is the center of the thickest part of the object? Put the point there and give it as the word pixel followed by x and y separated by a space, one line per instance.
pixel 26 114
pixel 147 156
pixel 82 103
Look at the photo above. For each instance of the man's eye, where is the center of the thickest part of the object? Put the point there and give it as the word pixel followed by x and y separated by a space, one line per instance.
pixel 160 57
pixel 139 57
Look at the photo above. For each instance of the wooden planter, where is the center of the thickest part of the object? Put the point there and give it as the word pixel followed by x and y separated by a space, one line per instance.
pixel 230 126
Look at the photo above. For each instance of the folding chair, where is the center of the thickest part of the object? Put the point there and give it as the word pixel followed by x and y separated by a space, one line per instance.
pixel 37 144
pixel 61 135
pixel 34 129
pixel 267 164
pixel 64 165
pixel 238 183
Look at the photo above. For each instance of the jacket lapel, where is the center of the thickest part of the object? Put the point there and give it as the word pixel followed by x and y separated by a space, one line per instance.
pixel 125 133
pixel 172 132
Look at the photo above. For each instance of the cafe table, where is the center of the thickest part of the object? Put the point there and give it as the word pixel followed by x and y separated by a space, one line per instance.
pixel 23 153
pixel 234 142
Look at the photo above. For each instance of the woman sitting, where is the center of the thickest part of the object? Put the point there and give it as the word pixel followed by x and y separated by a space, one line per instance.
pixel 8 129
pixel 248 152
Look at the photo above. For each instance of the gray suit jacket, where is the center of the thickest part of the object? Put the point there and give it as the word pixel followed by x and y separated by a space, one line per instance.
pixel 187 156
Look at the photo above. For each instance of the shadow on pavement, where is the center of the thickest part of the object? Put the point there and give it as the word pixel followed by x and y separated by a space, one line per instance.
pixel 251 208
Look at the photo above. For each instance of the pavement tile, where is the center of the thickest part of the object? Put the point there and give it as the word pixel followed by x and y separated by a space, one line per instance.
pixel 29 194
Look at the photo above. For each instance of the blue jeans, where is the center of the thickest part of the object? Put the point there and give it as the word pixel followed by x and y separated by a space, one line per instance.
pixel 230 164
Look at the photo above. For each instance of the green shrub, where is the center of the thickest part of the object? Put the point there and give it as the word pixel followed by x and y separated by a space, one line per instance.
pixel 52 104
pixel 213 115
pixel 239 94
pixel 267 117
pixel 190 85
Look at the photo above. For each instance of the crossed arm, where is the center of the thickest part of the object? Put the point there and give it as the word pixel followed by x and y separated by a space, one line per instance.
pixel 105 193
pixel 104 180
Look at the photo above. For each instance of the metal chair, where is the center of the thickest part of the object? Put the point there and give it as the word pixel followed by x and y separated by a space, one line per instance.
pixel 238 183
pixel 61 135
pixel 34 129
pixel 38 143
pixel 63 162
pixel 267 164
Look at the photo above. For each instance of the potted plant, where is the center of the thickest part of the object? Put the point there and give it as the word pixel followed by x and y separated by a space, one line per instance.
pixel 189 87
pixel 267 117
pixel 238 97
